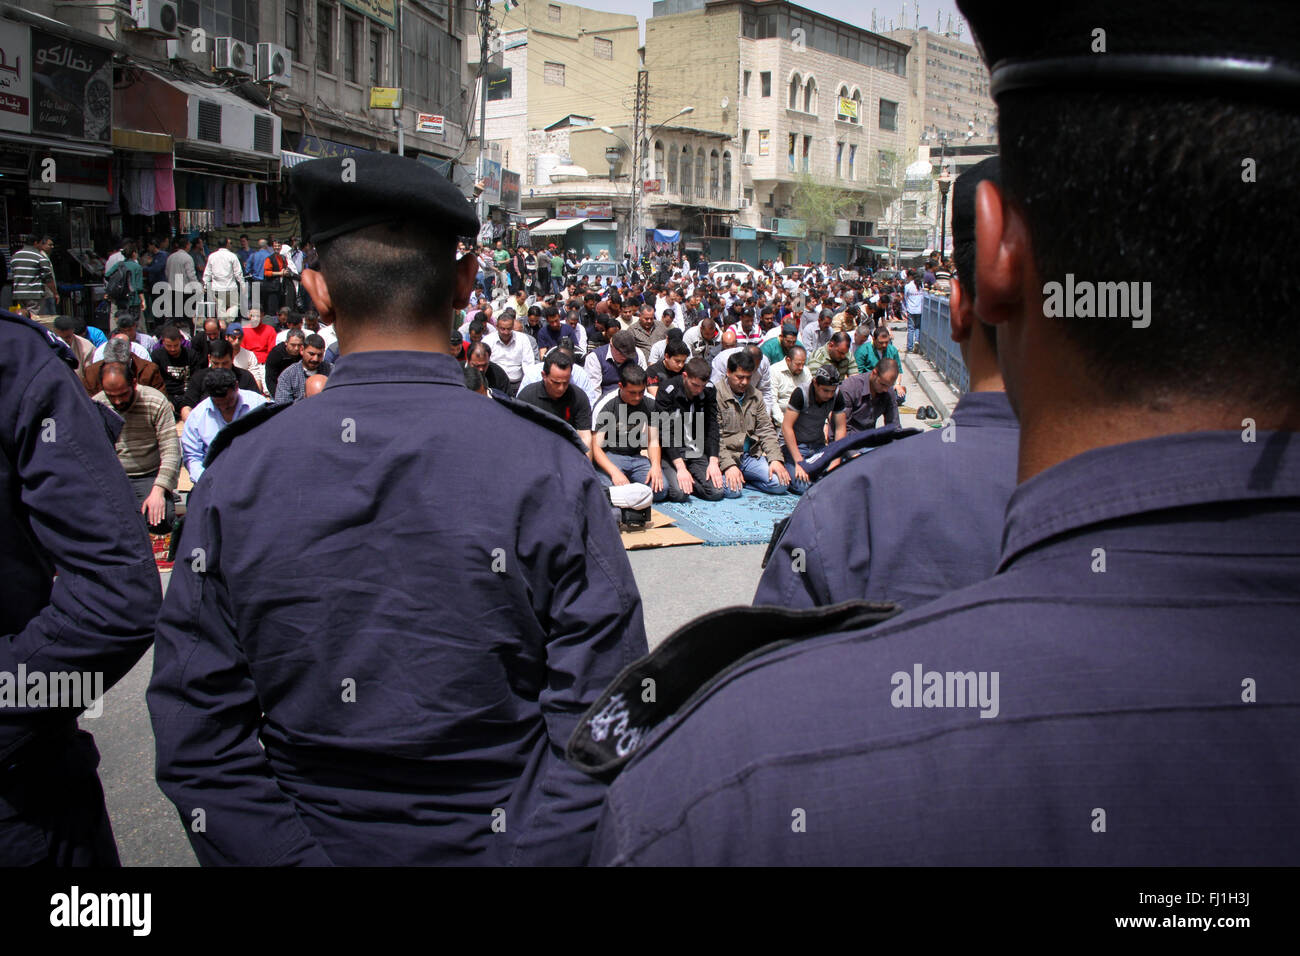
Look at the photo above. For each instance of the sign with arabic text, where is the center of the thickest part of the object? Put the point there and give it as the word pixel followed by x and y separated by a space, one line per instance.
pixel 318 148
pixel 15 77
pixel 72 89
pixel 510 189
pixel 574 210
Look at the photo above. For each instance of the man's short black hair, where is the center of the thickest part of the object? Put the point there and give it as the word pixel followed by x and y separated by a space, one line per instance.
pixel 220 349
pixel 314 341
pixel 698 369
pixel 1151 185
pixel 170 333
pixel 676 347
pixel 886 365
pixel 631 374
pixel 556 358
pixel 474 379
pixel 395 275
pixel 839 338
pixel 218 382
pixel 741 361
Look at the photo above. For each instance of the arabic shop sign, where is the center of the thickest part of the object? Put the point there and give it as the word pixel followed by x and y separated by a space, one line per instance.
pixel 15 77
pixel 383 11
pixel 318 148
pixel 72 89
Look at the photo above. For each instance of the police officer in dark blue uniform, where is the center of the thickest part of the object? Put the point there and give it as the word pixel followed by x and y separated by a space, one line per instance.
pixel 79 593
pixel 372 672
pixel 1126 688
pixel 915 519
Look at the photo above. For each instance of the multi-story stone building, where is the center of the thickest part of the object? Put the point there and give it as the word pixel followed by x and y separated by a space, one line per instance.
pixel 803 98
pixel 948 89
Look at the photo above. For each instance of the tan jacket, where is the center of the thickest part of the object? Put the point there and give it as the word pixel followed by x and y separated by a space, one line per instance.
pixel 746 418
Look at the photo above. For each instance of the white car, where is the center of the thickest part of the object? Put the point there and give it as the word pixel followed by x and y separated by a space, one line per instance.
pixel 725 270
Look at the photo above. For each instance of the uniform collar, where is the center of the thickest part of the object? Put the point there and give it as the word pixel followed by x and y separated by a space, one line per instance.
pixel 985 409
pixel 369 368
pixel 1171 471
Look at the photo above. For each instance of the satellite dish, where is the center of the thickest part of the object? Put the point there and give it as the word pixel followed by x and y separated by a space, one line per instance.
pixel 725 102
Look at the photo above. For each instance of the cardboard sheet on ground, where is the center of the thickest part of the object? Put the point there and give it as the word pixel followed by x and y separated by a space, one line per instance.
pixel 661 533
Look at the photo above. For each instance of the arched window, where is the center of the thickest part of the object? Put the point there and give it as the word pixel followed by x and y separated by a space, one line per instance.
pixel 714 174
pixel 726 177
pixel 672 169
pixel 810 96
pixel 659 160
pixel 857 100
pixel 795 84
pixel 686 170
pixel 699 172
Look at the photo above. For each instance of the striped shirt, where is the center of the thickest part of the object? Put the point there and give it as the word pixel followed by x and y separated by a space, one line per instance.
pixel 31 271
pixel 148 443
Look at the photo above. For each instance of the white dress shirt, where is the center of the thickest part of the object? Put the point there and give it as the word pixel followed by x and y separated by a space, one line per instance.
pixel 223 272
pixel 202 425
pixel 514 356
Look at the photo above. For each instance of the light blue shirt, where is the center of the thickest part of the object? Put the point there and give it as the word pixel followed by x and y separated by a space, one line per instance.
pixel 203 424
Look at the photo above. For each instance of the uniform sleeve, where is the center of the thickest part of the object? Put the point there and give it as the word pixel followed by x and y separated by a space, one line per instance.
pixel 83 514
pixel 795 576
pixel 596 630
pixel 206 714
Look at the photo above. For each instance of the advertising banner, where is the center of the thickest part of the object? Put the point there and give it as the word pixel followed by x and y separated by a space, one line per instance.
pixel 15 77
pixel 72 89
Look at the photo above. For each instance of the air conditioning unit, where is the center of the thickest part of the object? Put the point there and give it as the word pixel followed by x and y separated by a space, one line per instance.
pixel 154 16
pixel 746 203
pixel 274 65
pixel 747 159
pixel 234 56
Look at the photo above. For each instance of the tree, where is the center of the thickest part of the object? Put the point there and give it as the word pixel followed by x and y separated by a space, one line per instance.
pixel 820 205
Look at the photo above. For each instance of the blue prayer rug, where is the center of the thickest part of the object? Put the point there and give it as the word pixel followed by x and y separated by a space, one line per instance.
pixel 744 520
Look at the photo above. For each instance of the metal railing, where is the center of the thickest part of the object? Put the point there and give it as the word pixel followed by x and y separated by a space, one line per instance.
pixel 937 345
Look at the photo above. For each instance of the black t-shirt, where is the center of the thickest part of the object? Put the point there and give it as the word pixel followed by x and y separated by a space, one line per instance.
pixel 624 427
pixel 572 407
pixel 813 414
pixel 277 360
pixel 176 371
pixel 658 373
pixel 497 378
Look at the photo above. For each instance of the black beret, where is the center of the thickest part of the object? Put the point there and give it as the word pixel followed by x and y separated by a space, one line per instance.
pixel 377 188
pixel 963 197
pixel 1248 48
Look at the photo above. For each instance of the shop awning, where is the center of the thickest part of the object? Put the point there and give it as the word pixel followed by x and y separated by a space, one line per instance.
pixel 55 145
pixel 668 235
pixel 879 250
pixel 555 227
pixel 289 160
pixel 139 141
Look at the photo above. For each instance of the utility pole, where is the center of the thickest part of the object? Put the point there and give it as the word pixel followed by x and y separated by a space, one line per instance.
pixel 635 225
pixel 484 28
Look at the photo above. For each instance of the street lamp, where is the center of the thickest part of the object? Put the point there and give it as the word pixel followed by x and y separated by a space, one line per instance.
pixel 945 183
pixel 639 152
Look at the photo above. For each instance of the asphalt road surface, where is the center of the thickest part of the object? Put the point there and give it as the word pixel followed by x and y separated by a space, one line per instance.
pixel 677 584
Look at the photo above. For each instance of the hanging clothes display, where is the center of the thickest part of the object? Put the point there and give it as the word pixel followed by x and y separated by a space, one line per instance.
pixel 164 184
pixel 233 207
pixel 251 215
pixel 216 202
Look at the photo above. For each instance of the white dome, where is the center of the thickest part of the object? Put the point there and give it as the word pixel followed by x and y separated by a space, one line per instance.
pixel 919 169
pixel 565 174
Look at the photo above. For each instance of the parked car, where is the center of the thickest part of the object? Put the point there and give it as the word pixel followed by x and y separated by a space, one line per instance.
pixel 738 269
pixel 602 270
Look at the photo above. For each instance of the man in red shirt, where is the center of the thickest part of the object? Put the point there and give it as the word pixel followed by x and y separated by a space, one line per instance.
pixel 259 337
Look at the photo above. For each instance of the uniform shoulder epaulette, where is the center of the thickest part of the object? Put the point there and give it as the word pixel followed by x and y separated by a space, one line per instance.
pixel 50 339
pixel 539 417
pixel 693 660
pixel 816 464
pixel 239 427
